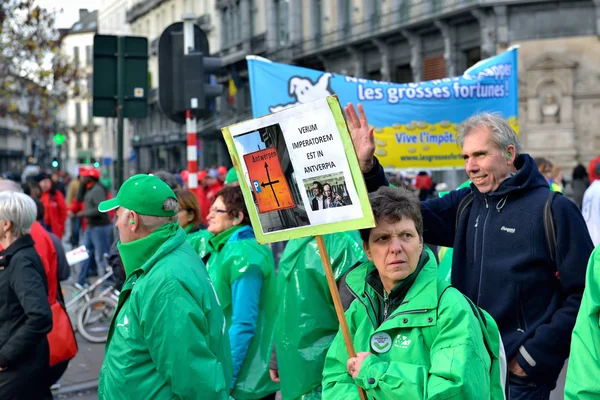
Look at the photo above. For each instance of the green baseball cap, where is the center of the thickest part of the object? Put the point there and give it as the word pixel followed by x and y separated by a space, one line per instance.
pixel 231 176
pixel 144 194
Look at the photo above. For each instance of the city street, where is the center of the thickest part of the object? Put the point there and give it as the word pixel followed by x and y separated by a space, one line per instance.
pixel 81 377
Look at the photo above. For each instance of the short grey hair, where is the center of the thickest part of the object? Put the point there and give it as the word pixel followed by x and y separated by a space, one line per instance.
pixel 19 209
pixel 10 186
pixel 150 223
pixel 503 134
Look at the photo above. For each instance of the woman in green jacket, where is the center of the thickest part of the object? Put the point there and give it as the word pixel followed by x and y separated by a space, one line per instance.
pixel 415 336
pixel 190 220
pixel 243 273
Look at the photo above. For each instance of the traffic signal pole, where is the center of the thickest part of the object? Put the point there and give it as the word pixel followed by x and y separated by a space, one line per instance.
pixel 120 106
pixel 190 118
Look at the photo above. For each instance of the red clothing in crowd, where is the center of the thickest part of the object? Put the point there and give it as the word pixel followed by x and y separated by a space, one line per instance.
pixel 423 182
pixel 592 170
pixel 45 249
pixel 55 212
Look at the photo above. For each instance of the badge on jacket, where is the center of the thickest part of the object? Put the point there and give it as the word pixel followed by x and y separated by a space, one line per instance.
pixel 381 342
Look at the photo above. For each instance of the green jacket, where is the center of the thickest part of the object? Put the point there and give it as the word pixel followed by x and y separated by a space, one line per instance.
pixel 583 373
pixel 199 241
pixel 307 322
pixel 429 347
pixel 229 260
pixel 167 339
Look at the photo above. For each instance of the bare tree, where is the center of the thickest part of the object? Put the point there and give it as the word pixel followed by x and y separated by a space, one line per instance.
pixel 35 79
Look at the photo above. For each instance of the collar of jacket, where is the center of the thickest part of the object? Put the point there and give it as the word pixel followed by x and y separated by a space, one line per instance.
pixel 421 300
pixel 398 293
pixel 218 241
pixel 19 244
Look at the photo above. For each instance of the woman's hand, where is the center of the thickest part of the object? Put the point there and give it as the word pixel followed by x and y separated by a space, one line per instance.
pixel 355 363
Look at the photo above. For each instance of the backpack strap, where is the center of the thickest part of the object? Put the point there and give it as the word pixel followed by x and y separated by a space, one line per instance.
pixel 462 206
pixel 549 227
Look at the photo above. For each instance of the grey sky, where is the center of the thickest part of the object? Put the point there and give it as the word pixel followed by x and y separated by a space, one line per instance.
pixel 68 10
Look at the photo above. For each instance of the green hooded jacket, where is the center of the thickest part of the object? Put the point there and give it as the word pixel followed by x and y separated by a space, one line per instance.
pixel 307 322
pixel 583 374
pixel 429 347
pixel 167 339
pixel 230 258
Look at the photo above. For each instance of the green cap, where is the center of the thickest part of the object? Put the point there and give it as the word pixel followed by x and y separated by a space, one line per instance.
pixel 144 194
pixel 231 176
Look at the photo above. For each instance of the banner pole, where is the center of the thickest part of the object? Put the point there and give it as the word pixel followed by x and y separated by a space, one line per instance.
pixel 337 302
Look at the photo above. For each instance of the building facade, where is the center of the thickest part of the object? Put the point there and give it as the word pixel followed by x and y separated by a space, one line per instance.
pixel 399 41
pixel 84 133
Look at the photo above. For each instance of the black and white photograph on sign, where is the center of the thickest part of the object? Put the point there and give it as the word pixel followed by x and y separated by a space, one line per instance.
pixel 327 191
pixel 272 179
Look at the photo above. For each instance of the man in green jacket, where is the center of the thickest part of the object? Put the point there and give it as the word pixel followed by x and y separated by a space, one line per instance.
pixel 307 322
pixel 167 339
pixel 583 373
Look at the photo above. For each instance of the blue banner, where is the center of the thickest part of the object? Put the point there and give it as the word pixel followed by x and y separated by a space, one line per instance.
pixel 416 123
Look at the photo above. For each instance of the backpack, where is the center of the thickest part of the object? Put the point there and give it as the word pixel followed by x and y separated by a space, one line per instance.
pixel 549 228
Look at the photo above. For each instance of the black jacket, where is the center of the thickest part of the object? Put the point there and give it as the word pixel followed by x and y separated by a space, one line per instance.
pixel 502 262
pixel 92 197
pixel 25 319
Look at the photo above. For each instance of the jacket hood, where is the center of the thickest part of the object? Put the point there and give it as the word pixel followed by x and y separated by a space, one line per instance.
pixel 527 177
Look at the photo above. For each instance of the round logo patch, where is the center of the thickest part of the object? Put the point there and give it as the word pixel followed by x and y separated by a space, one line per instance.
pixel 381 342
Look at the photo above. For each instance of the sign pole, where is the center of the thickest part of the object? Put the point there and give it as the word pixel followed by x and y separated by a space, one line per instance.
pixel 337 302
pixel 120 106
pixel 190 118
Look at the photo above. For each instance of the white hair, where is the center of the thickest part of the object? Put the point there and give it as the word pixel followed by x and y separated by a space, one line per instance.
pixel 19 209
pixel 150 223
pixel 503 134
pixel 11 186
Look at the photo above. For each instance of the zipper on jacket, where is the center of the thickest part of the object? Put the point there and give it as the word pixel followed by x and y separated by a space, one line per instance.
pixel 487 214
pixel 386 305
pixel 408 312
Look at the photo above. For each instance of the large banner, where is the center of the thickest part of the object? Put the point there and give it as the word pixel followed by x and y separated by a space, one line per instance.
pixel 416 123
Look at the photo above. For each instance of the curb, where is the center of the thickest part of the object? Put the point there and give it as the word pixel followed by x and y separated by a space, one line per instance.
pixel 78 387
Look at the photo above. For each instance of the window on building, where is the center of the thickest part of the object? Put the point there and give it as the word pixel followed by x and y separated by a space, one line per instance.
pixel 282 21
pixel 374 75
pixel 403 74
pixel 225 22
pixel 78 114
pixel 473 56
pixel 76 55
pixel 88 55
pixel 345 8
pixel 434 68
pixel 317 17
pixel 90 84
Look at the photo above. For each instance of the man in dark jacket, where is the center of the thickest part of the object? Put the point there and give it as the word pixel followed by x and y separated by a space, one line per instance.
pixel 501 260
pixel 97 236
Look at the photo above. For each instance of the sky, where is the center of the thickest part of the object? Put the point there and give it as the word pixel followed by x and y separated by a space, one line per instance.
pixel 70 9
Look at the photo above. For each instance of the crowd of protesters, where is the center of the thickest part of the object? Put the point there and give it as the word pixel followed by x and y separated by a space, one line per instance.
pixel 206 312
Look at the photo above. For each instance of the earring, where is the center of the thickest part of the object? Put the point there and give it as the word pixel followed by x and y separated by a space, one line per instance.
pixel 133 222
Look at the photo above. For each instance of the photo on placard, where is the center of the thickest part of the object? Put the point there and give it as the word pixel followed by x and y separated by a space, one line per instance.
pixel 327 191
pixel 272 179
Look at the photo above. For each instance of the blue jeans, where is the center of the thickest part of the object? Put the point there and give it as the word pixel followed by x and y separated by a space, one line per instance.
pixel 523 388
pixel 97 242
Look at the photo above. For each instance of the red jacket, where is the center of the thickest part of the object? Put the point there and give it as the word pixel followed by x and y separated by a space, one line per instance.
pixel 592 170
pixel 45 249
pixel 55 212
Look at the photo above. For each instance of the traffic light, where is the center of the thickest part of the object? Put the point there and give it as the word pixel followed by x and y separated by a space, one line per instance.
pixel 55 162
pixel 96 164
pixel 184 80
pixel 59 138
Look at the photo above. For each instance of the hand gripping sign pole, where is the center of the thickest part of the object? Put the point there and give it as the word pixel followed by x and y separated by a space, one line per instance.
pixel 337 302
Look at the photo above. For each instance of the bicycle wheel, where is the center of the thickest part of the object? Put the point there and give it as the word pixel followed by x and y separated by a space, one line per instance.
pixel 93 320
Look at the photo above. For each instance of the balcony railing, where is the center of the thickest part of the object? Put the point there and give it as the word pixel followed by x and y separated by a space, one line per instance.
pixel 410 12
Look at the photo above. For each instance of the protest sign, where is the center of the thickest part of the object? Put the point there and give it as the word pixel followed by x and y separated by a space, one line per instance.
pixel 416 123
pixel 300 173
